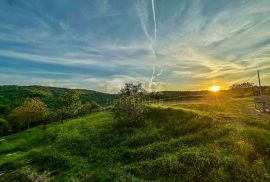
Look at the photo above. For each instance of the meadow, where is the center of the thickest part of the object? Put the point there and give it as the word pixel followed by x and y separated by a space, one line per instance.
pixel 134 90
pixel 212 139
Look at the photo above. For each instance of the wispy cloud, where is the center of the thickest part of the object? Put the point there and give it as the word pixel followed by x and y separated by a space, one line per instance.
pixel 102 44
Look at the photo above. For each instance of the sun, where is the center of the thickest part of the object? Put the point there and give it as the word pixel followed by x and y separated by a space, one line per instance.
pixel 214 88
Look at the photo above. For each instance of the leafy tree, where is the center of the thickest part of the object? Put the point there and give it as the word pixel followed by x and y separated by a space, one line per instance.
pixel 4 126
pixel 130 109
pixel 132 89
pixel 69 104
pixel 89 107
pixel 32 110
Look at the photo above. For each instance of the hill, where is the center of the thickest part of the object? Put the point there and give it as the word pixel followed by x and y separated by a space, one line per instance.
pixel 12 95
pixel 182 142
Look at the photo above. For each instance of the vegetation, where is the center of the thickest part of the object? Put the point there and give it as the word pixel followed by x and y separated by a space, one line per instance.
pixel 239 90
pixel 32 111
pixel 180 142
pixel 244 89
pixel 214 138
pixel 4 126
pixel 242 85
pixel 23 107
pixel 69 105
pixel 132 89
pixel 13 96
pixel 130 109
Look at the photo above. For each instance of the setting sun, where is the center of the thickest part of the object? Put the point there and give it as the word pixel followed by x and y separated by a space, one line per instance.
pixel 214 88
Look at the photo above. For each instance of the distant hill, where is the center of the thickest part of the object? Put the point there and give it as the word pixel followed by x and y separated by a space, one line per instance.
pixel 12 95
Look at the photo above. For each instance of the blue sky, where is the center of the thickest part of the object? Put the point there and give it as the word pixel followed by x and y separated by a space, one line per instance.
pixel 101 44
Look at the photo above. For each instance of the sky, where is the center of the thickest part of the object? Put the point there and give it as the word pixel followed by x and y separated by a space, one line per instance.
pixel 165 44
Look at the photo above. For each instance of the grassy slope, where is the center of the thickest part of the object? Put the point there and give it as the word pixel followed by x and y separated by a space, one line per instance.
pixel 174 144
pixel 239 111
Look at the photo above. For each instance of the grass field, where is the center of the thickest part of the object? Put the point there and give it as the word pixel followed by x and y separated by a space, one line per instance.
pixel 238 111
pixel 206 140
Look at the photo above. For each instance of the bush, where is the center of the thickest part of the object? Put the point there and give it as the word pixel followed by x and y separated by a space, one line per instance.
pixel 4 126
pixel 88 108
pixel 130 111
pixel 31 111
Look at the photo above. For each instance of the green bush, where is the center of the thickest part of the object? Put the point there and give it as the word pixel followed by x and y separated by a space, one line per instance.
pixel 88 108
pixel 130 111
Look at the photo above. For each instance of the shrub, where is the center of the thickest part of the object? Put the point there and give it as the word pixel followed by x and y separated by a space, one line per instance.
pixel 130 111
pixel 242 89
pixel 88 108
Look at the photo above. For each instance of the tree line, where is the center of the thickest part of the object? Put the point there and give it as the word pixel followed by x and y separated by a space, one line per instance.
pixel 33 112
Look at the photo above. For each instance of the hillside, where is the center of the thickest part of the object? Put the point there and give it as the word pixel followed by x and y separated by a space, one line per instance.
pixel 179 142
pixel 13 96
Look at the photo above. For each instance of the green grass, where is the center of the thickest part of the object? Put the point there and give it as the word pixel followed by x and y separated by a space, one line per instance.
pixel 239 111
pixel 185 142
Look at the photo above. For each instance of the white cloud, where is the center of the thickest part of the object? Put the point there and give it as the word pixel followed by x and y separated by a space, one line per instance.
pixel 196 45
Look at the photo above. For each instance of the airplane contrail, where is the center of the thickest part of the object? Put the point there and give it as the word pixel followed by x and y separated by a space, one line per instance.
pixel 142 12
pixel 154 18
pixel 154 66
pixel 152 44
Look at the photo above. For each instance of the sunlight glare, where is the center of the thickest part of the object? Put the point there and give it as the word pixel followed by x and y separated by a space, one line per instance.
pixel 214 88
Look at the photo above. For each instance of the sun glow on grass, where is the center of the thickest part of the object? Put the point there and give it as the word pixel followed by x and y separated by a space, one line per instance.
pixel 214 88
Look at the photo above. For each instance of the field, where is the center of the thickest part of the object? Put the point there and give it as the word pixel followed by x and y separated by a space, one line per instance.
pixel 210 139
pixel 236 111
